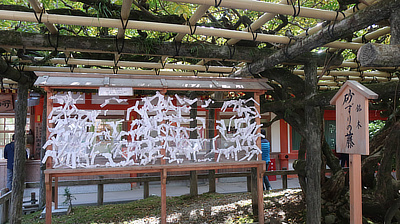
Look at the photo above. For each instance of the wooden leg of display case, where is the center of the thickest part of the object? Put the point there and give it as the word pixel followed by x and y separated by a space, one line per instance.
pixel 55 192
pixel 48 198
pixel 260 194
pixel 163 196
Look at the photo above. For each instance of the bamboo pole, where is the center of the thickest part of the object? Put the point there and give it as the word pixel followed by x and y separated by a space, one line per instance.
pixel 125 12
pixel 261 6
pixel 162 27
pixel 348 73
pixel 38 8
pixel 369 36
pixel 119 71
pixel 193 20
pixel 127 64
pixel 347 12
pixel 258 23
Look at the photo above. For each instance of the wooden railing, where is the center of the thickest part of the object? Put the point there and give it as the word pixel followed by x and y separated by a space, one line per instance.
pixel 147 179
pixel 5 200
pixel 5 197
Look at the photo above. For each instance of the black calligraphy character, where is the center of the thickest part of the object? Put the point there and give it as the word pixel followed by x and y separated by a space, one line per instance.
pixel 358 108
pixel 359 125
pixel 348 107
pixel 348 97
pixel 349 137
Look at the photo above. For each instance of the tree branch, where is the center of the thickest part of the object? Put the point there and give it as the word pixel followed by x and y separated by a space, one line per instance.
pixel 359 20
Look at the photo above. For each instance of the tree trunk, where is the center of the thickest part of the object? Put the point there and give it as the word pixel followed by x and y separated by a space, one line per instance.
pixel 313 145
pixel 385 188
pixel 152 47
pixel 19 154
pixel 379 55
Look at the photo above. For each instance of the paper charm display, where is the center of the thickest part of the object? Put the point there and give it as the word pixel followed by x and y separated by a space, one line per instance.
pixel 160 133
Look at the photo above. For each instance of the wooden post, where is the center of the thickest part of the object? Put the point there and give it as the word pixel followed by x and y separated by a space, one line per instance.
pixel 248 183
pixel 352 136
pixel 210 134
pixel 194 191
pixel 355 189
pixel 164 196
pixel 258 119
pixel 284 179
pixel 55 192
pixel 254 192
pixel 100 192
pixel 5 209
pixel 48 198
pixel 260 196
pixel 146 189
pixel 211 181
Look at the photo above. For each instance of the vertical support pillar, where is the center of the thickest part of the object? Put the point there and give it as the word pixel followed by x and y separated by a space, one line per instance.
pixel 49 162
pixel 194 191
pixel 164 196
pixel 260 196
pixel 55 192
pixel 48 198
pixel 100 192
pixel 258 119
pixel 210 135
pixel 211 181
pixel 254 192
pixel 355 189
pixel 283 135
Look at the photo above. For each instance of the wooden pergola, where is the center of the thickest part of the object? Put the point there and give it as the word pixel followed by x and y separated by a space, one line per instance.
pixel 331 77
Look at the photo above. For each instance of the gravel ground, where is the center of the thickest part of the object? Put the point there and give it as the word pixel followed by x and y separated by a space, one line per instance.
pixel 279 207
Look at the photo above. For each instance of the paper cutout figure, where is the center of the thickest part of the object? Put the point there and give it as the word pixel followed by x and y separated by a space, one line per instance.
pixel 162 127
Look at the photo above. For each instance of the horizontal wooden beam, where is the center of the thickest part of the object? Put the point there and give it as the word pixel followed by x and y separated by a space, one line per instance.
pixel 35 41
pixel 117 71
pixel 154 65
pixel 162 27
pixel 261 6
